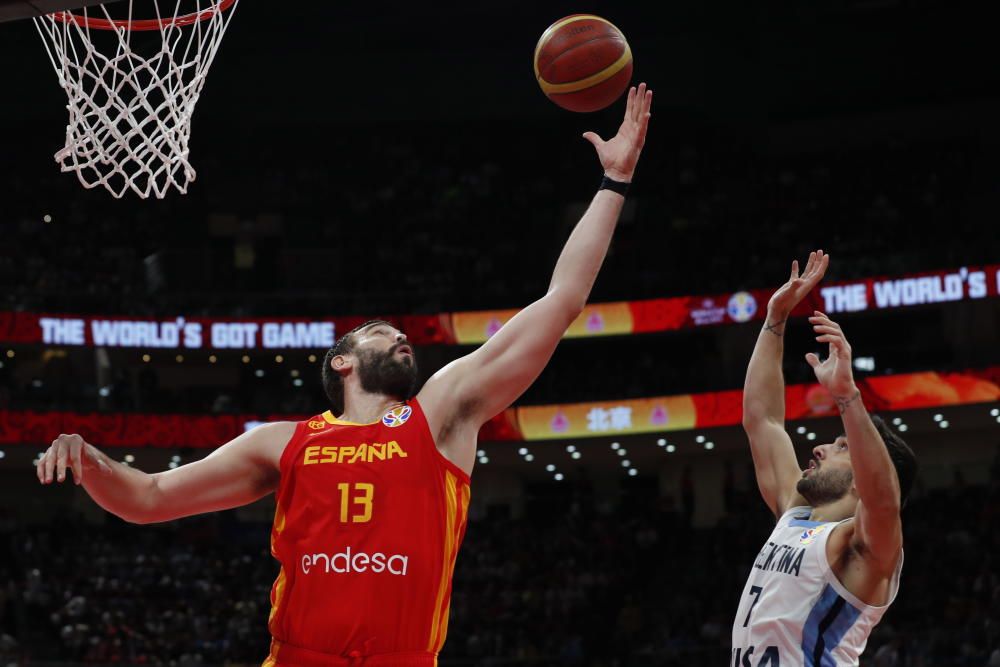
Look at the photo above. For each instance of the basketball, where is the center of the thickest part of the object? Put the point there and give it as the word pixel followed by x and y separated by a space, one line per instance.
pixel 583 63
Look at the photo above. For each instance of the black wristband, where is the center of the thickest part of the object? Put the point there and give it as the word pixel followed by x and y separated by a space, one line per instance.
pixel 615 186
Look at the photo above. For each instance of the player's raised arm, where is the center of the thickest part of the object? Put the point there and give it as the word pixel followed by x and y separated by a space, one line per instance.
pixel 764 392
pixel 878 528
pixel 471 390
pixel 239 472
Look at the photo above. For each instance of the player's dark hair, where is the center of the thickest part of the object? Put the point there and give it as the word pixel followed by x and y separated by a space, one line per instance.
pixel 903 458
pixel 333 384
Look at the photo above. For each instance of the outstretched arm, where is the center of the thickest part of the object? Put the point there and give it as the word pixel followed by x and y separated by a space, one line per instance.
pixel 764 393
pixel 471 390
pixel 878 528
pixel 235 474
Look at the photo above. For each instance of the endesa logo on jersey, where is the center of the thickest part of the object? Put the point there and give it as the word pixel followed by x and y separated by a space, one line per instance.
pixel 397 416
pixel 316 424
pixel 349 562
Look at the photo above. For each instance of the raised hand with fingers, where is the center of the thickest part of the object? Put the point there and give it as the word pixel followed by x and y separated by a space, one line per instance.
pixel 73 452
pixel 792 292
pixel 620 154
pixel 835 373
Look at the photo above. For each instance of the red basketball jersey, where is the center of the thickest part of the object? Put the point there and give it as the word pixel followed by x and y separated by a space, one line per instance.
pixel 368 523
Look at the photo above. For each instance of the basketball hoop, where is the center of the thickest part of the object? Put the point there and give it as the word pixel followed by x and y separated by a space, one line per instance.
pixel 130 112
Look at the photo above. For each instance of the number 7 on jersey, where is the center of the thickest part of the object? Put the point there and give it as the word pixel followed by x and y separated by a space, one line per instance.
pixel 755 592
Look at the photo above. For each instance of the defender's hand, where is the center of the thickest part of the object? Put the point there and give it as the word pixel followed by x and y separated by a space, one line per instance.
pixel 792 292
pixel 835 374
pixel 619 154
pixel 70 451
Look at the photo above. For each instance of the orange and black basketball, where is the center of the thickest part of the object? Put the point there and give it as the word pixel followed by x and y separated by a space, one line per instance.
pixel 583 63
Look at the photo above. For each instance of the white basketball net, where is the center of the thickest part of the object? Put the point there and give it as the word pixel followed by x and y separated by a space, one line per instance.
pixel 129 112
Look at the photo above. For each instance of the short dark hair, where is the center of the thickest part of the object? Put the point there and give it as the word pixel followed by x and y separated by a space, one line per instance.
pixel 903 458
pixel 333 384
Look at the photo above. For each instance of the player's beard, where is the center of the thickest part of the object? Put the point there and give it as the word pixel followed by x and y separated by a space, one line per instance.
pixel 822 487
pixel 387 374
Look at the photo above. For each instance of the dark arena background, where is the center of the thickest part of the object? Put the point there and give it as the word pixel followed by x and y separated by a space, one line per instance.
pixel 399 160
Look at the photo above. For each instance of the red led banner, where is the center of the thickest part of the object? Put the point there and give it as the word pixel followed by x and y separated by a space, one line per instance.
pixel 472 328
pixel 172 431
pixel 547 422
pixel 183 333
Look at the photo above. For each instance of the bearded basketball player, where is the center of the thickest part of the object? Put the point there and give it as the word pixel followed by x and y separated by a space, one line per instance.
pixel 372 494
pixel 830 568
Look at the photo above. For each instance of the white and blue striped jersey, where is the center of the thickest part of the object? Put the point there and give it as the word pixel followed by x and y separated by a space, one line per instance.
pixel 794 611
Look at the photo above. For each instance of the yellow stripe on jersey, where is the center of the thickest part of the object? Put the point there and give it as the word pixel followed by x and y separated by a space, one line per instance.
pixel 451 503
pixel 272 657
pixel 279 526
pixel 279 593
pixel 280 583
pixel 464 494
pixel 330 419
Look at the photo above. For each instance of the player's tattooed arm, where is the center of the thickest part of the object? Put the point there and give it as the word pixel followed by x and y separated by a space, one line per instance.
pixel 844 402
pixel 775 327
pixel 764 392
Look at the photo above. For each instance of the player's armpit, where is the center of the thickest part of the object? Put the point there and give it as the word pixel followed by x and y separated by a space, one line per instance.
pixel 878 538
pixel 483 383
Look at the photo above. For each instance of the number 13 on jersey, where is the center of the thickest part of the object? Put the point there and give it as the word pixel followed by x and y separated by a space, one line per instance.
pixel 356 502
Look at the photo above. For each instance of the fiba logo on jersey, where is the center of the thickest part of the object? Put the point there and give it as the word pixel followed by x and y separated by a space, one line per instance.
pixel 809 536
pixel 397 416
pixel 741 307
